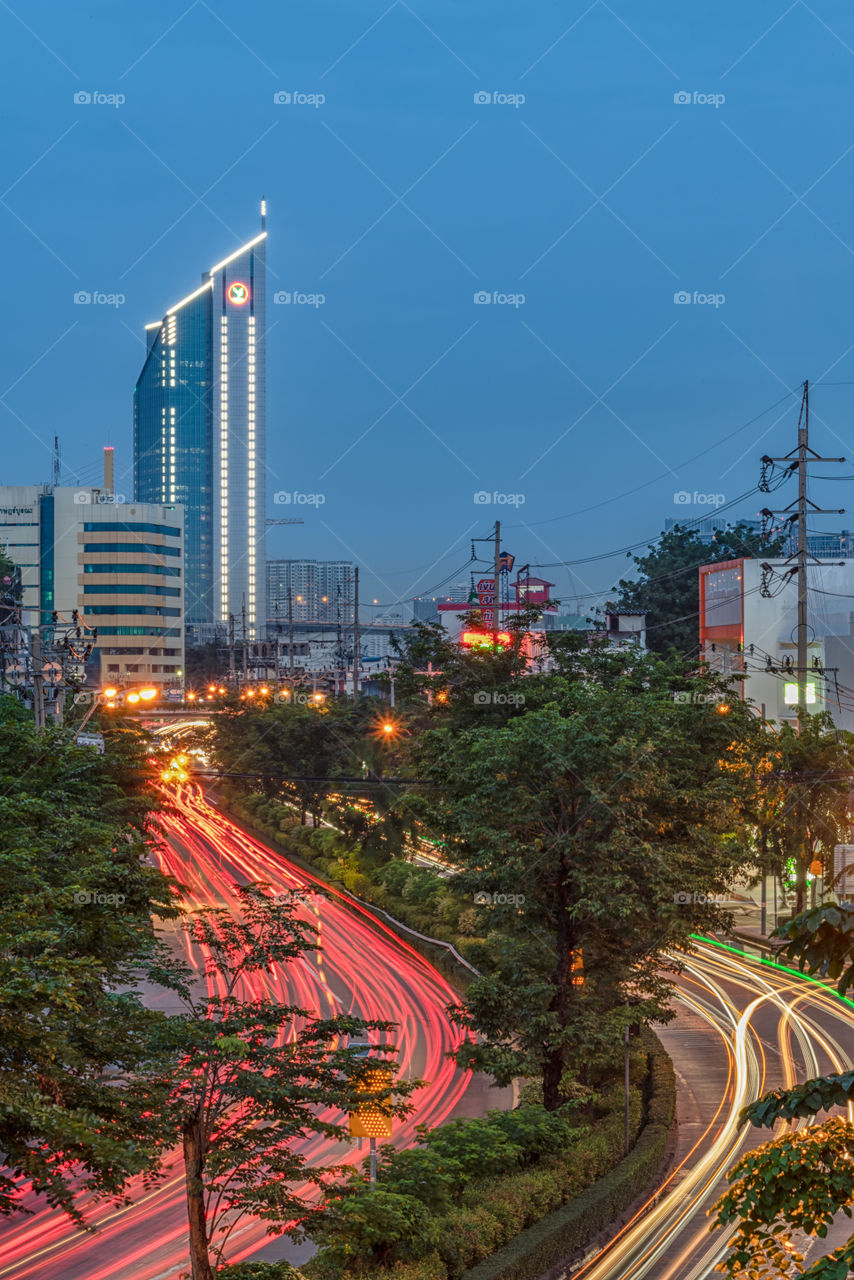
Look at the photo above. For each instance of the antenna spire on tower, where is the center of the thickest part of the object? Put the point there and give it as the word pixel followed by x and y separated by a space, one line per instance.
pixel 263 214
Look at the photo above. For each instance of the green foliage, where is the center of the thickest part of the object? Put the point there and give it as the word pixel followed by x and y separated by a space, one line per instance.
pixel 596 824
pixel 820 1094
pixel 798 1182
pixel 478 1209
pixel 667 586
pixel 259 1271
pixel 801 1180
pixel 376 1229
pixel 75 925
pixel 822 941
pixel 235 1082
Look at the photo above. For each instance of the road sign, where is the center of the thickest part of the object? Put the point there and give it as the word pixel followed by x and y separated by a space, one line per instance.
pixel 95 740
pixel 373 1120
pixel 174 695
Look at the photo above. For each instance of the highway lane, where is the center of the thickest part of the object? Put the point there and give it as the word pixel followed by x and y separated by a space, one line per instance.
pixel 361 967
pixel 743 1027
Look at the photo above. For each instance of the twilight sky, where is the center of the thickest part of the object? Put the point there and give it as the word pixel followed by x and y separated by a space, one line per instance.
pixel 581 165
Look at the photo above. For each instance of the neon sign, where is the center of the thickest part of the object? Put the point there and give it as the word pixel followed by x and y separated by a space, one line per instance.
pixel 237 293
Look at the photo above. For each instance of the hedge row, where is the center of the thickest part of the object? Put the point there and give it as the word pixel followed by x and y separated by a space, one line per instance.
pixel 571 1229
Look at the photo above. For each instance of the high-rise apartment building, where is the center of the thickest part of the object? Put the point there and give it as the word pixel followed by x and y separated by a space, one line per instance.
pixel 320 591
pixel 200 433
pixel 119 567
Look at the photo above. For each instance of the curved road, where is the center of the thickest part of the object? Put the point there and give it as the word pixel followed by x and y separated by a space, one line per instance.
pixel 741 1027
pixel 363 968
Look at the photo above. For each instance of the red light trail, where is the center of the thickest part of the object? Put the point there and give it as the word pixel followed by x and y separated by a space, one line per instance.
pixel 363 968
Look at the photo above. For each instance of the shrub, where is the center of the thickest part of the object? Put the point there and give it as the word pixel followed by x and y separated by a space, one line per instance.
pixel 259 1271
pixel 375 1228
pixel 467 1236
pixel 434 1179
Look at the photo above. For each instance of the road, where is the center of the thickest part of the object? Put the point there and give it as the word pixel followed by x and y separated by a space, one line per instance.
pixel 363 968
pixel 742 1027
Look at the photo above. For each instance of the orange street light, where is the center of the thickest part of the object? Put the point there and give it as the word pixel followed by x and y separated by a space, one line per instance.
pixel 147 695
pixel 317 697
pixel 110 693
pixel 220 689
pixel 211 688
pixel 133 697
pixel 191 697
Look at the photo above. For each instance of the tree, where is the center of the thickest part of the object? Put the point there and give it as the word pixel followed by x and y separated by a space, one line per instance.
pixel 591 829
pixel 804 1179
pixel 75 924
pixel 667 586
pixel 246 1076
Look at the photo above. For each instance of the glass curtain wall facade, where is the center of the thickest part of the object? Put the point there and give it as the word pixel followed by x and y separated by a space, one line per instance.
pixel 199 435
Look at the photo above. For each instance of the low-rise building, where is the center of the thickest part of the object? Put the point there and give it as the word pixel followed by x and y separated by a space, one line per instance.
pixel 109 574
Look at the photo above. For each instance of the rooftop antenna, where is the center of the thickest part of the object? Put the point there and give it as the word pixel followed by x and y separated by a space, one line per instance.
pixel 263 214
pixel 56 462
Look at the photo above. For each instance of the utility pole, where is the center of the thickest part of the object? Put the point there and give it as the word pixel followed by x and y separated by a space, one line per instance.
pixel 38 680
pixel 496 586
pixel 231 647
pixel 798 459
pixel 803 445
pixel 291 629
pixel 356 637
pixel 245 649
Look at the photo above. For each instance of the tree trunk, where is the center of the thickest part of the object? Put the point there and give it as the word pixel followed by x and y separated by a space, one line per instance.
pixel 554 1058
pixel 193 1169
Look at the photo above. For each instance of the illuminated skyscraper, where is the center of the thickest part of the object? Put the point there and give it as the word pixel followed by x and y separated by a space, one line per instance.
pixel 199 433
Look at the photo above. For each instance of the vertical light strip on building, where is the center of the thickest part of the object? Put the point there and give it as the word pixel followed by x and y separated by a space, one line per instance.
pixel 250 471
pixel 223 464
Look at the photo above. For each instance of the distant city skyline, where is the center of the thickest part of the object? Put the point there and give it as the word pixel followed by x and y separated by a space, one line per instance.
pixel 561 265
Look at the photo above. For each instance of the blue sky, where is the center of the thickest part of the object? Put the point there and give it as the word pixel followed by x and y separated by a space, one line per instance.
pixel 536 155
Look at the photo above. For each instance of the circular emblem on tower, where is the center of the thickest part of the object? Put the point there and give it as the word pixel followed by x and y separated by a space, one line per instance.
pixel 237 293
